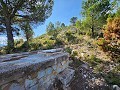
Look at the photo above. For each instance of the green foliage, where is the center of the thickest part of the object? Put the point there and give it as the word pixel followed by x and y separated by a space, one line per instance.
pixel 25 46
pixel 78 24
pixel 3 50
pixel 68 49
pixel 57 25
pixel 93 61
pixel 74 54
pixel 73 20
pixel 25 26
pixel 100 41
pixel 112 78
pixel 50 27
pixel 95 13
pixel 62 25
pixel 48 44
pixel 35 46
pixel 70 36
pixel 99 68
pixel 59 42
pixel 118 12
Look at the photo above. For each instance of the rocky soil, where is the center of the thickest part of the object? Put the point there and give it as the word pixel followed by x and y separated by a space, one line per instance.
pixel 85 79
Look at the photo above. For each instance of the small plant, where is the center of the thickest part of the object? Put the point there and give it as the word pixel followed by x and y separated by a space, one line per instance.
pixel 112 78
pixel 74 54
pixel 35 46
pixel 93 61
pixel 99 68
pixel 68 49
pixel 49 44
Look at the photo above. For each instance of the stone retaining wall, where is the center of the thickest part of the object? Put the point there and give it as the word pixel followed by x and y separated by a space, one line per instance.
pixel 34 71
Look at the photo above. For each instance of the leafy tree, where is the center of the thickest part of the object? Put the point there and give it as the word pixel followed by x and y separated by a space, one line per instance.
pixel 57 24
pixel 73 20
pixel 14 11
pixel 118 12
pixel 62 25
pixel 50 27
pixel 96 12
pixel 27 30
pixel 78 24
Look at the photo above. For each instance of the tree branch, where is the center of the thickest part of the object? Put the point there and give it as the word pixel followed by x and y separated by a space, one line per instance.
pixel 24 16
pixel 17 7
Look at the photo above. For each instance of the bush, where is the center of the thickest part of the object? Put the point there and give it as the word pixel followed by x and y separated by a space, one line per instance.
pixel 74 54
pixel 3 50
pixel 68 49
pixel 112 78
pixel 59 42
pixel 111 41
pixel 35 46
pixel 70 37
pixel 48 44
pixel 93 61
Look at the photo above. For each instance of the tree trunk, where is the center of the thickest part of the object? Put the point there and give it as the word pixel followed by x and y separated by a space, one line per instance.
pixel 92 26
pixel 10 39
pixel 92 31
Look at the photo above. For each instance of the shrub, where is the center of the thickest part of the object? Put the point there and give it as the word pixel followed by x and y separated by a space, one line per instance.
pixel 70 37
pixel 111 41
pixel 112 78
pixel 68 49
pixel 93 61
pixel 48 44
pixel 35 46
pixel 74 54
pixel 3 50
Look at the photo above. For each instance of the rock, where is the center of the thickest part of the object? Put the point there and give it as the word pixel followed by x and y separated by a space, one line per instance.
pixel 116 87
pixel 52 50
pixel 85 66
pixel 66 76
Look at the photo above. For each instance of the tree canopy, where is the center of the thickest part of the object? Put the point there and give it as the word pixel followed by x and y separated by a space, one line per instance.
pixel 96 12
pixel 14 11
pixel 73 20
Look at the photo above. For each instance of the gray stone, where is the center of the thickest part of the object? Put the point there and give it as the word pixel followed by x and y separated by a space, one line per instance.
pixel 63 62
pixel 42 69
pixel 59 68
pixel 49 71
pixel 41 88
pixel 41 81
pixel 41 74
pixel 54 67
pixel 16 86
pixel 66 76
pixel 47 78
pixel 53 76
pixel 53 50
pixel 35 87
pixel 31 62
pixel 47 84
pixel 116 87
pixel 29 83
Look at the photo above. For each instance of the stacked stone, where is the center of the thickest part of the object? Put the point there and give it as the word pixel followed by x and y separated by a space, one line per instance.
pixel 37 75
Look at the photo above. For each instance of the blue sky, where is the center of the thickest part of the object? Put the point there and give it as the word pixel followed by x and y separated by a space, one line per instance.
pixel 63 10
